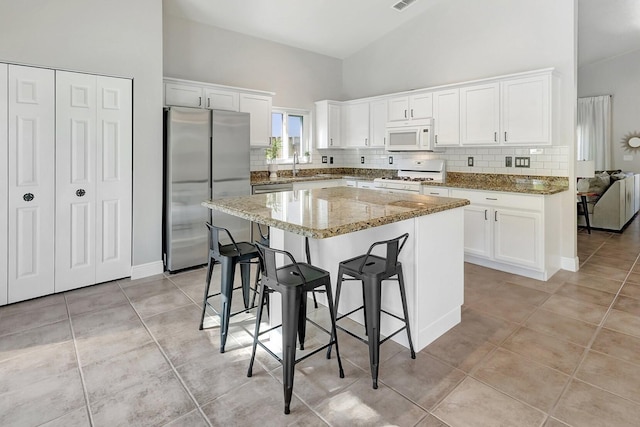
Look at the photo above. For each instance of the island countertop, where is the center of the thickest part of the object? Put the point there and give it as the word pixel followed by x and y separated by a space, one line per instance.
pixel 327 212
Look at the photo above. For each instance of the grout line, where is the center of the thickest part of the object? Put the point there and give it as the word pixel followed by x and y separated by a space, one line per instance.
pixel 173 368
pixel 593 337
pixel 75 347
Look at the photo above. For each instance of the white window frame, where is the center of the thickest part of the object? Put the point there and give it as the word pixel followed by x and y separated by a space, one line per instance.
pixel 305 143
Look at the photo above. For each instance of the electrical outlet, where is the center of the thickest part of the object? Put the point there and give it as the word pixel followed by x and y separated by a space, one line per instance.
pixel 324 159
pixel 508 161
pixel 523 162
pixel 469 161
pixel 362 160
pixel 331 160
pixel 390 160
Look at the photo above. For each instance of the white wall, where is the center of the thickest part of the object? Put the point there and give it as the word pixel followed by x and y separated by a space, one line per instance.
pixel 461 40
pixel 620 77
pixel 116 37
pixel 205 53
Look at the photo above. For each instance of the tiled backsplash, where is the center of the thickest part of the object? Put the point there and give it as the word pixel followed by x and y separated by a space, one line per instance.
pixel 553 161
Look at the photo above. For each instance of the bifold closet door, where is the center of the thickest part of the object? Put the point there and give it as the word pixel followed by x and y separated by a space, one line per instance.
pixel 4 184
pixel 93 185
pixel 31 182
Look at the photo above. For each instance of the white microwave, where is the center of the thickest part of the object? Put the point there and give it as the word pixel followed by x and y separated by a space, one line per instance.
pixel 414 135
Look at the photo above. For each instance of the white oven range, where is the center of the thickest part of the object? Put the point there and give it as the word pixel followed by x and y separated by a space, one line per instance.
pixel 412 174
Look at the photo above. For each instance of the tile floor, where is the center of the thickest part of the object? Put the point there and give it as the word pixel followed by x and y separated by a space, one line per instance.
pixel 527 353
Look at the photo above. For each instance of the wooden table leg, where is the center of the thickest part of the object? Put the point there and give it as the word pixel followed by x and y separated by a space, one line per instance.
pixel 583 200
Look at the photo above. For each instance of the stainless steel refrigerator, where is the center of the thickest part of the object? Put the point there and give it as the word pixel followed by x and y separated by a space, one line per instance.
pixel 206 156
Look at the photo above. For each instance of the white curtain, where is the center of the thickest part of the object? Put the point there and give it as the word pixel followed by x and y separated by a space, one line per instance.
pixel 594 130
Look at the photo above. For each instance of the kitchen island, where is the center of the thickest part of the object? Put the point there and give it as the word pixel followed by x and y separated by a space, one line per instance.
pixel 342 222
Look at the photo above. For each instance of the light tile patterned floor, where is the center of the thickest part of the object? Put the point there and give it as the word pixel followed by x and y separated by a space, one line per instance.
pixel 527 353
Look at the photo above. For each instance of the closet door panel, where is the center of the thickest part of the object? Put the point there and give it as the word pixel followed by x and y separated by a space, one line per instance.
pixel 4 185
pixel 31 182
pixel 114 163
pixel 75 180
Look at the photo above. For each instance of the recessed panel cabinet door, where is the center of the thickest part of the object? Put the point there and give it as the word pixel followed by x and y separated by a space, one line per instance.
pixel 31 182
pixel 114 177
pixel 75 180
pixel 4 186
pixel 517 237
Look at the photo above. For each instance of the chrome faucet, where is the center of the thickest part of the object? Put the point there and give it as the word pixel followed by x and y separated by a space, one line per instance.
pixel 294 171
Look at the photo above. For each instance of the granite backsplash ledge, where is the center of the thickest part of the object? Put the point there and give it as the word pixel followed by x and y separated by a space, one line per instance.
pixel 504 179
pixel 364 172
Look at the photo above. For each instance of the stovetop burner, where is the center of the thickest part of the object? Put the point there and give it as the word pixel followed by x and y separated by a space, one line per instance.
pixel 409 178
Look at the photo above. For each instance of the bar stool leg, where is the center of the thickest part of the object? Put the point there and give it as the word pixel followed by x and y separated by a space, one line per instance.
pixel 226 294
pixel 335 307
pixel 403 295
pixel 372 301
pixel 334 331
pixel 245 276
pixel 206 290
pixel 302 320
pixel 290 315
pixel 257 329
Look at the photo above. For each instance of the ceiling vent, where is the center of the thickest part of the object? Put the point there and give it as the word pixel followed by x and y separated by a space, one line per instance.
pixel 403 4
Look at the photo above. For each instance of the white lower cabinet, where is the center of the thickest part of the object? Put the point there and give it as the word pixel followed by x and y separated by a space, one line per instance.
pixel 326 183
pixel 512 232
pixel 434 191
pixel 66 205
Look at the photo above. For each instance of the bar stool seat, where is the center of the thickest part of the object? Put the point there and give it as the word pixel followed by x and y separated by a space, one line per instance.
pixel 372 270
pixel 228 256
pixel 292 281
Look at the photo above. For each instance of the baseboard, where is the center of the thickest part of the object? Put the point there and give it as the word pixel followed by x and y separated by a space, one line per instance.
pixel 146 270
pixel 570 264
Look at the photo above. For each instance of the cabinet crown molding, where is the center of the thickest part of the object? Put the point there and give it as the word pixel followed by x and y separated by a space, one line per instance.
pixel 217 86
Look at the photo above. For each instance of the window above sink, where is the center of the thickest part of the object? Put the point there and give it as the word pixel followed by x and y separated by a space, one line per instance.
pixel 293 127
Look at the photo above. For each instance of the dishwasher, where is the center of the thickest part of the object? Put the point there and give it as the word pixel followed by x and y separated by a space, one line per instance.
pixel 261 230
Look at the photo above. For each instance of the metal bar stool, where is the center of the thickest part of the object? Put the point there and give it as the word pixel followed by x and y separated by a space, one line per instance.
pixel 292 281
pixel 228 256
pixel 371 270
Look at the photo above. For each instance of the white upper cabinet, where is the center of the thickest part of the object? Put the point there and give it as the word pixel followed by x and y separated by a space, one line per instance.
pixel 446 115
pixel 259 107
pixel 377 123
pixel 480 114
pixel 355 124
pixel 404 108
pixel 526 110
pixel 327 124
pixel 217 99
pixel 183 95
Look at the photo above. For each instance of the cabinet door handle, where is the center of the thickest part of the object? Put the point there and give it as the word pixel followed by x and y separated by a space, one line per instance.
pixel 495 216
pixel 495 137
pixel 405 114
pixel 412 113
pixel 490 198
pixel 436 139
pixel 199 101
pixel 505 137
pixel 28 197
pixel 208 102
pixel 485 214
pixel 80 192
pixel 330 141
pixel 366 141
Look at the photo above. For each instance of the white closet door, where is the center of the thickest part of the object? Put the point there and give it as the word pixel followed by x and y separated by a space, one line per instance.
pixel 114 176
pixel 75 180
pixel 31 182
pixel 4 186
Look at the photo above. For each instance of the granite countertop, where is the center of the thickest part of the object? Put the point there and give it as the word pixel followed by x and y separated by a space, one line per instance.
pixel 328 212
pixel 527 184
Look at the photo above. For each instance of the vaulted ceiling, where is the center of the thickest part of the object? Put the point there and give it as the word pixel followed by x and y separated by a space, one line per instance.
pixel 339 28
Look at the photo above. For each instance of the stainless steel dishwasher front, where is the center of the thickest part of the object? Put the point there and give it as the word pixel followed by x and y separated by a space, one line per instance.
pixel 271 188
